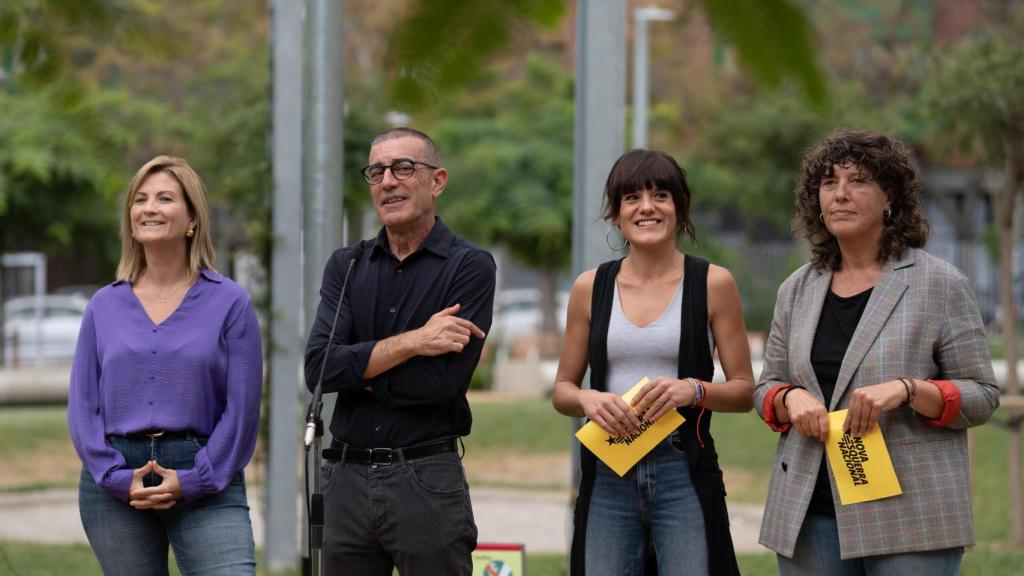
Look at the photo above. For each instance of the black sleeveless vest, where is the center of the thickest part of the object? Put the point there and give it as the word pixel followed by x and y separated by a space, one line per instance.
pixel 694 360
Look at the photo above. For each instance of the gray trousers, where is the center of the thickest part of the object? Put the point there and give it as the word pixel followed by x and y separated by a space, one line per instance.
pixel 414 515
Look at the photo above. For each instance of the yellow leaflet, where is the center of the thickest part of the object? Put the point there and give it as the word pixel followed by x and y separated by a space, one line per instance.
pixel 621 453
pixel 860 464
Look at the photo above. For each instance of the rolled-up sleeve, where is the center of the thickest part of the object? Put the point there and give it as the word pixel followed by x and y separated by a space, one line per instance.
pixel 775 373
pixel 962 356
pixel 233 439
pixel 425 380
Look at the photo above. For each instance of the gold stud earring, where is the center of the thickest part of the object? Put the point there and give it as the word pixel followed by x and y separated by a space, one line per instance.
pixel 190 232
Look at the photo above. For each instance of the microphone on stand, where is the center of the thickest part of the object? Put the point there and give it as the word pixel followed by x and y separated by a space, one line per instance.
pixel 314 431
pixel 316 404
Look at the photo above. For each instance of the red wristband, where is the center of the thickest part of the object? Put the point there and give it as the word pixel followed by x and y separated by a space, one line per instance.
pixel 951 400
pixel 769 409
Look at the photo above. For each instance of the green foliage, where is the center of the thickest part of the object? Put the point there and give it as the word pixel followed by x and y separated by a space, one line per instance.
pixel 974 95
pixel 509 153
pixel 364 120
pixel 36 36
pixel 66 143
pixel 227 139
pixel 444 44
pixel 62 167
pixel 772 39
pixel 750 154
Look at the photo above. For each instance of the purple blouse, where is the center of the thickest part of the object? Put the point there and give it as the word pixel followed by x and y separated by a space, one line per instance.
pixel 201 369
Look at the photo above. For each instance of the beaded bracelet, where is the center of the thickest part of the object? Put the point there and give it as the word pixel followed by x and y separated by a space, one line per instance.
pixel 698 391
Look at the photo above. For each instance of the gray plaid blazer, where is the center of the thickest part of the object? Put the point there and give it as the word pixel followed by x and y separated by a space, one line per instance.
pixel 922 322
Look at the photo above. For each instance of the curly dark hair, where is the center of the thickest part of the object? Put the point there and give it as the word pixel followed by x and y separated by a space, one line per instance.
pixel 649 170
pixel 888 162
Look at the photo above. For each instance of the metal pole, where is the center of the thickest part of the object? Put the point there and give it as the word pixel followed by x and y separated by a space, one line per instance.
pixel 322 214
pixel 600 136
pixel 280 542
pixel 639 81
pixel 323 169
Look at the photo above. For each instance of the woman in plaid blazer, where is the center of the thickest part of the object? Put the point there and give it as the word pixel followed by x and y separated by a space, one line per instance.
pixel 878 326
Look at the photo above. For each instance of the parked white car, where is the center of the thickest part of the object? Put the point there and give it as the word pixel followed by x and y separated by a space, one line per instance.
pixel 43 329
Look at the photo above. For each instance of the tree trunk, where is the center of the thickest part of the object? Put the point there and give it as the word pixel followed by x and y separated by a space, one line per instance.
pixel 549 311
pixel 1006 219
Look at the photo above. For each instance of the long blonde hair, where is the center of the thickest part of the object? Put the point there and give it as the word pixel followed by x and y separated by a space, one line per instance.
pixel 200 245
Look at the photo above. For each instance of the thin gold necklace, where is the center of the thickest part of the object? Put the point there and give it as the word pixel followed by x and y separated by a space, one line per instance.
pixel 163 299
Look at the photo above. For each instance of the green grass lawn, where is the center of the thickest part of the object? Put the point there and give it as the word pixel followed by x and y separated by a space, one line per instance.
pixel 24 429
pixel 530 426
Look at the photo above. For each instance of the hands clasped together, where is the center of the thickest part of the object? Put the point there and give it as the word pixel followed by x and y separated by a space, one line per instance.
pixel 810 417
pixel 654 400
pixel 159 497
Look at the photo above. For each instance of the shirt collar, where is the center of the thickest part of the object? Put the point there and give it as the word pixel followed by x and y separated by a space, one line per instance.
pixel 439 241
pixel 207 273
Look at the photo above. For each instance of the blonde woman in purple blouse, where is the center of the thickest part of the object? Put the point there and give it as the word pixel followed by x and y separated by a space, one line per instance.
pixel 165 392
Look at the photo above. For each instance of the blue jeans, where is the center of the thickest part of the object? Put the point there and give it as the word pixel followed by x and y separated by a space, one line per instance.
pixel 211 536
pixel 817 554
pixel 653 505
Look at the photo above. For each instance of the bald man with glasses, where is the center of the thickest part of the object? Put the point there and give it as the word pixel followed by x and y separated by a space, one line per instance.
pixel 409 334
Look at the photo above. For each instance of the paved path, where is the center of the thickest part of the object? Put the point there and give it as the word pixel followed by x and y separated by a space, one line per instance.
pixel 540 519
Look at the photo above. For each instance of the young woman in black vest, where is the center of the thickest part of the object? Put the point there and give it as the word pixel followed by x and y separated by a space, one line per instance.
pixel 655 313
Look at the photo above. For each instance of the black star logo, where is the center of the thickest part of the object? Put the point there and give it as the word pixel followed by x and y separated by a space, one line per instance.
pixel 611 440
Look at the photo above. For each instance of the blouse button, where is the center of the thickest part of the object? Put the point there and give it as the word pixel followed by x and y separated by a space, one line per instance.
pixel 392 309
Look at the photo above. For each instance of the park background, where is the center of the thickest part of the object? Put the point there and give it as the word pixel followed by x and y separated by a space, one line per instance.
pixel 90 90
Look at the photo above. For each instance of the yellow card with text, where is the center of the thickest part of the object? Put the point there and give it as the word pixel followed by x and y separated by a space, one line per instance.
pixel 621 453
pixel 860 464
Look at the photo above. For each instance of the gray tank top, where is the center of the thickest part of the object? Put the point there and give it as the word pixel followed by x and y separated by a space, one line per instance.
pixel 650 351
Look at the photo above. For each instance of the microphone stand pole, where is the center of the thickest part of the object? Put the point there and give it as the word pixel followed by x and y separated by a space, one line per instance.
pixel 313 438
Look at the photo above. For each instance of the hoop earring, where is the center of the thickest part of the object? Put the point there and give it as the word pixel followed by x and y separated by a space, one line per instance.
pixel 887 215
pixel 821 216
pixel 608 240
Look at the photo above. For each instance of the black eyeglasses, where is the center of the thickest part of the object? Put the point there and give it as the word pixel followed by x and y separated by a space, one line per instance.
pixel 401 169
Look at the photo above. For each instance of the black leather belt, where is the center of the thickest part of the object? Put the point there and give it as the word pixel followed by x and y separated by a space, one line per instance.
pixel 388 456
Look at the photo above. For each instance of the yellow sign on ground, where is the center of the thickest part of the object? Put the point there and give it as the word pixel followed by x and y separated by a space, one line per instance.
pixel 621 453
pixel 499 560
pixel 860 464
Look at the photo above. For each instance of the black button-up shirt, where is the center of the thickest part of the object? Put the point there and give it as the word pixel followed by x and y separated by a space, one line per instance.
pixel 424 398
